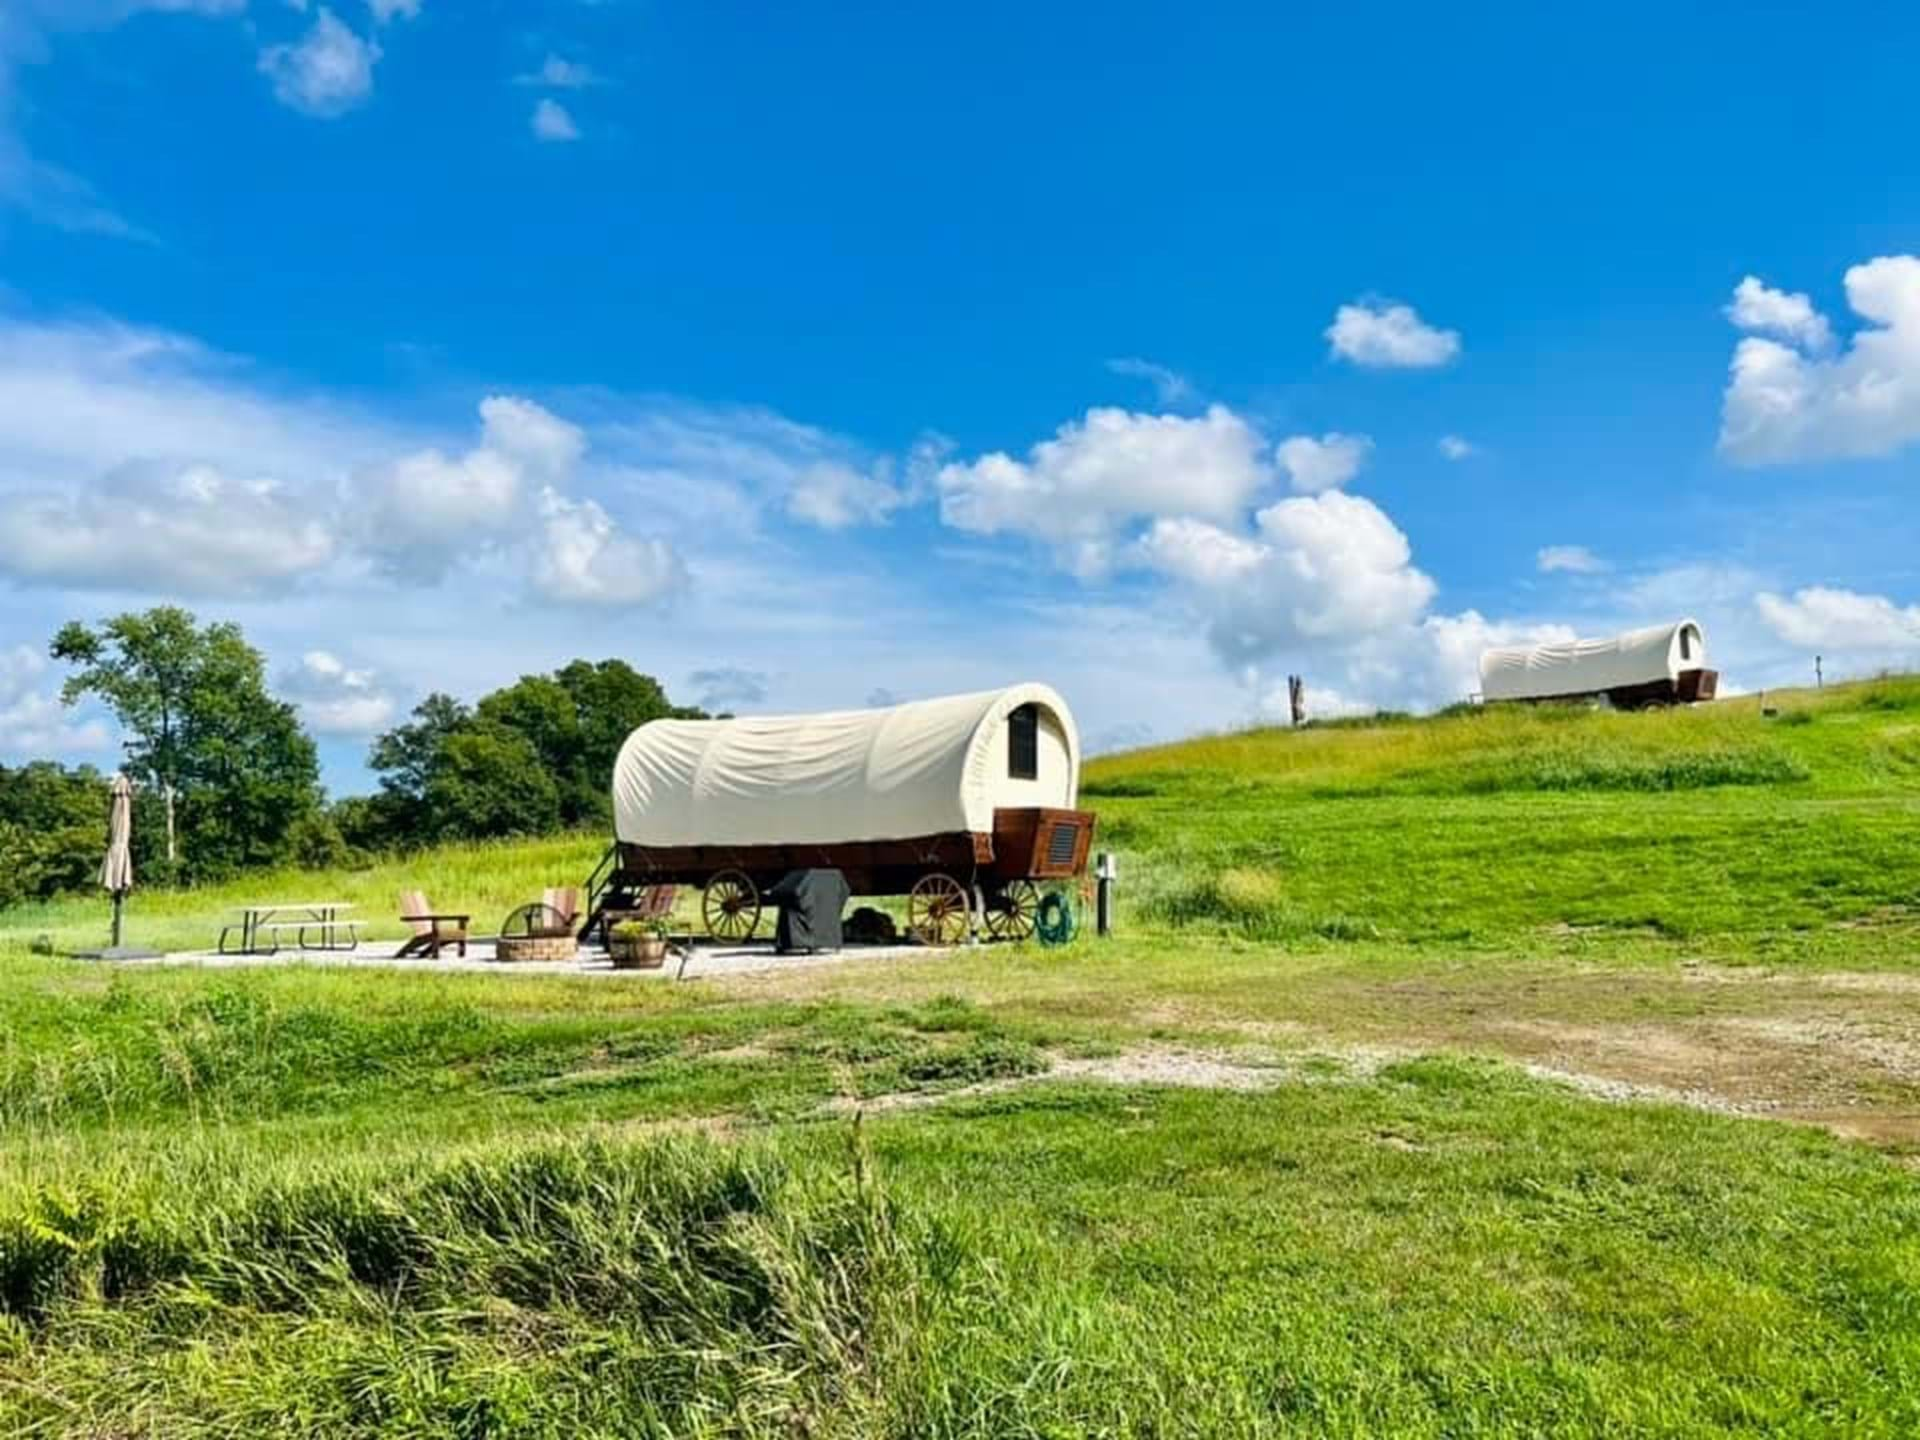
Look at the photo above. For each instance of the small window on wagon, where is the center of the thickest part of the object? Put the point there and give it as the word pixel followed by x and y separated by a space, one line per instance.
pixel 1686 642
pixel 1023 743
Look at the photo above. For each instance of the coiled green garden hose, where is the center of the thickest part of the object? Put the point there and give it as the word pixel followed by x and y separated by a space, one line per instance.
pixel 1053 922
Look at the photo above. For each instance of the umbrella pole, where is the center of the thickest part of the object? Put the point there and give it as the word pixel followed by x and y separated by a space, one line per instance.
pixel 119 899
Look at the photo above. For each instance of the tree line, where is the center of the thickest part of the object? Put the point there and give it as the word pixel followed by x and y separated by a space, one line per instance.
pixel 227 779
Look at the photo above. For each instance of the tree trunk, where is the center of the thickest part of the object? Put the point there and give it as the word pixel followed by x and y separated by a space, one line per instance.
pixel 173 853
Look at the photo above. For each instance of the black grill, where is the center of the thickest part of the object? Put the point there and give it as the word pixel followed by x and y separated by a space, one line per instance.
pixel 1062 840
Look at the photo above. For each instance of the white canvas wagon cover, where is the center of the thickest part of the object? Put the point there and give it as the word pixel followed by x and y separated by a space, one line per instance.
pixel 928 767
pixel 1588 667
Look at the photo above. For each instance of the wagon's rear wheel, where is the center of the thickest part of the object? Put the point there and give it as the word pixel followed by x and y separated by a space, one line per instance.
pixel 1010 914
pixel 937 910
pixel 731 906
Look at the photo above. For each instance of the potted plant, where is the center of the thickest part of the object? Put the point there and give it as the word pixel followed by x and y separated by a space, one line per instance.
pixel 638 944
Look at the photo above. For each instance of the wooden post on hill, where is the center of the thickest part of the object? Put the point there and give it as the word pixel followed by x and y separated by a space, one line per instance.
pixel 1297 699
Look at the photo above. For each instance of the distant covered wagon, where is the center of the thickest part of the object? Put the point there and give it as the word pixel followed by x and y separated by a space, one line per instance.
pixel 1660 665
pixel 962 804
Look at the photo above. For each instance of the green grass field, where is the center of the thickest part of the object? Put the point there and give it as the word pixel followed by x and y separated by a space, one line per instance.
pixel 1491 1074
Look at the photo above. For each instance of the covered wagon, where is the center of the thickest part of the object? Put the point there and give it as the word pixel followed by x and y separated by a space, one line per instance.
pixel 963 804
pixel 1660 665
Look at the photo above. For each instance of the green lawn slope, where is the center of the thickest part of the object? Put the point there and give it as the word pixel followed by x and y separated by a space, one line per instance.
pixel 862 1200
pixel 1738 830
pixel 1505 826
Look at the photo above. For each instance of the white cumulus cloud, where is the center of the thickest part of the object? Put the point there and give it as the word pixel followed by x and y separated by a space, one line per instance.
pixel 385 10
pixel 583 558
pixel 427 512
pixel 1096 474
pixel 1799 398
pixel 326 73
pixel 535 437
pixel 1841 621
pixel 1322 568
pixel 1455 447
pixel 552 123
pixel 1324 464
pixel 1385 335
pixel 335 698
pixel 188 530
pixel 417 515
pixel 1774 312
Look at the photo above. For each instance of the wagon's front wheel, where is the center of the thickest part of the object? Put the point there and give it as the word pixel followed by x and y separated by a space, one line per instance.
pixel 1010 914
pixel 731 906
pixel 937 910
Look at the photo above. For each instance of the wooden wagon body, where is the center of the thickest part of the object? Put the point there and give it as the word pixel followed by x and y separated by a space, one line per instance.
pixel 926 800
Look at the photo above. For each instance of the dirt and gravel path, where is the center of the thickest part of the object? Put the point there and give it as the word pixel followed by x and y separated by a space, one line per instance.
pixel 1838 1049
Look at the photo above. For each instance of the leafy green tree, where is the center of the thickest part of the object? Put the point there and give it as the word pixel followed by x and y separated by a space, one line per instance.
pixel 232 768
pixel 53 828
pixel 567 727
pixel 577 719
pixel 363 824
pixel 540 709
pixel 405 759
pixel 488 782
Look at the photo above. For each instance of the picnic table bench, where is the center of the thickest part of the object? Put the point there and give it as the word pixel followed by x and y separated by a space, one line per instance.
pixel 261 926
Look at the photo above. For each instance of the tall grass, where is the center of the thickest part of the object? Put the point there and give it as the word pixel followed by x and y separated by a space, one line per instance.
pixel 669 1288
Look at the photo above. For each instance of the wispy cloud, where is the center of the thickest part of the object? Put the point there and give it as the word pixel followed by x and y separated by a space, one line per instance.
pixel 1170 387
pixel 38 187
pixel 1568 560
pixel 558 73
pixel 728 687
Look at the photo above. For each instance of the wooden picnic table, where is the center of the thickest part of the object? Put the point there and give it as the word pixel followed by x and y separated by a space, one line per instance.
pixel 273 920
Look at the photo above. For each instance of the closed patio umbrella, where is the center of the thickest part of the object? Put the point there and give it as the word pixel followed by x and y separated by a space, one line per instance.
pixel 116 870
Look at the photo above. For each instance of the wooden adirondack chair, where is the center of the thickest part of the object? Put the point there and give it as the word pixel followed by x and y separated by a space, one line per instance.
pixel 431 930
pixel 564 902
pixel 656 902
pixel 622 903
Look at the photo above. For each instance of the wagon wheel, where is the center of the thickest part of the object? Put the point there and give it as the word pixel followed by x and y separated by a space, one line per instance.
pixel 731 906
pixel 1010 914
pixel 535 921
pixel 937 910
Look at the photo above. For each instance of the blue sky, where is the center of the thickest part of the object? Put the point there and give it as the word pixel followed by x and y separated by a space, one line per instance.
pixel 803 355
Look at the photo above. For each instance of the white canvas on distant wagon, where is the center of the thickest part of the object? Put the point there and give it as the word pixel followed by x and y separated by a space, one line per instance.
pixel 929 767
pixel 1592 667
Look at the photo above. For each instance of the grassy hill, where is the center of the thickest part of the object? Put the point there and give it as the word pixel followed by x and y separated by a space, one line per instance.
pixel 1507 827
pixel 1720 825
pixel 1437 1087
